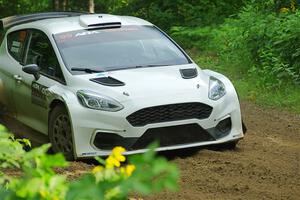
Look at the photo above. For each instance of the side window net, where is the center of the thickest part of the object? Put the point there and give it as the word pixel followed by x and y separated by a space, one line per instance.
pixel 16 43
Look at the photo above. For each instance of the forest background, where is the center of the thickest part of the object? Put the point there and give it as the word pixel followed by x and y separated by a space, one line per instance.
pixel 255 43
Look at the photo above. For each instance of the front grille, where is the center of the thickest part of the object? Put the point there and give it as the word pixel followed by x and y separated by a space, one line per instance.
pixel 167 113
pixel 173 135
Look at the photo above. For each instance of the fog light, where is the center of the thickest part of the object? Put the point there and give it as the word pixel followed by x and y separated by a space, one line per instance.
pixel 224 126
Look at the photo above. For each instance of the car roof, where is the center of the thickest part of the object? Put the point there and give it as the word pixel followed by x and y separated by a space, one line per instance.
pixel 82 21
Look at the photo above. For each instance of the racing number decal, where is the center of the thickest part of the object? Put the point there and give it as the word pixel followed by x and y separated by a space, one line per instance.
pixel 39 94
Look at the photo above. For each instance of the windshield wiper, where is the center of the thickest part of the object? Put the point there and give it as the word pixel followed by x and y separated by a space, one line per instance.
pixel 87 70
pixel 150 65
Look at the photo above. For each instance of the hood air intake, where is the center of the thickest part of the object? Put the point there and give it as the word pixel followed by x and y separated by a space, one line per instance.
pixel 188 73
pixel 108 81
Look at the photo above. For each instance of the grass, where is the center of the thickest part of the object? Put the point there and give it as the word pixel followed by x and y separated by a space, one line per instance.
pixel 285 98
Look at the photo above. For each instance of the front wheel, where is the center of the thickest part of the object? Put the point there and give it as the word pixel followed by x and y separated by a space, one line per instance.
pixel 60 132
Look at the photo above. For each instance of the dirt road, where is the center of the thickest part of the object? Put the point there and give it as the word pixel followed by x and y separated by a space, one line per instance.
pixel 266 164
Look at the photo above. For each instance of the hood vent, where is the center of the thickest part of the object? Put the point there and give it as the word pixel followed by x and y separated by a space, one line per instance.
pixel 188 73
pixel 108 81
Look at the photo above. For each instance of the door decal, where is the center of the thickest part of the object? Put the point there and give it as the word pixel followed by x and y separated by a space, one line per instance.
pixel 39 94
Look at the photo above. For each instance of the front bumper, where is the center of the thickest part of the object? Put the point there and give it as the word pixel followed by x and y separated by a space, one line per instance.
pixel 88 124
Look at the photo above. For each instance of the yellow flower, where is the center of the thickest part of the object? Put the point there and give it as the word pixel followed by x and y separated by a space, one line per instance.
pixel 55 198
pixel 117 153
pixel 97 169
pixel 118 150
pixel 111 162
pixel 43 193
pixel 115 158
pixel 129 169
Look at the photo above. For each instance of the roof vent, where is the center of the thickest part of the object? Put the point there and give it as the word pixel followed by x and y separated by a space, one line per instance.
pixel 99 21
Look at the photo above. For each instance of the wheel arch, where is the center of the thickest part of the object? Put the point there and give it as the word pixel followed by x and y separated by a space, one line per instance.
pixel 59 102
pixel 54 103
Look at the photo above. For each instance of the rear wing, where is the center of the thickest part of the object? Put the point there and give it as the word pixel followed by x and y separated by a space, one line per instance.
pixel 8 22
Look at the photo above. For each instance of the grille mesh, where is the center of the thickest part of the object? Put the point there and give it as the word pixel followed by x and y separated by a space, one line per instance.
pixel 172 112
pixel 173 135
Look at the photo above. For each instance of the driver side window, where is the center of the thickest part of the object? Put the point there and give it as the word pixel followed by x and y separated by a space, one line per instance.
pixel 41 52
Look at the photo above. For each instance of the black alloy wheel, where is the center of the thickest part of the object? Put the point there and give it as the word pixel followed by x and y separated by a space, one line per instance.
pixel 60 132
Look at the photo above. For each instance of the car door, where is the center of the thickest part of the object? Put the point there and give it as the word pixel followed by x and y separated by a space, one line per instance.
pixel 11 55
pixel 30 96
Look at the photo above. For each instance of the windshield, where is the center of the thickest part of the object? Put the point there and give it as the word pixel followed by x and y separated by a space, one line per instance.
pixel 120 48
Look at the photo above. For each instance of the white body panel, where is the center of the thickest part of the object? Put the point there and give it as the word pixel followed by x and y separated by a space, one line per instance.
pixel 144 87
pixel 152 92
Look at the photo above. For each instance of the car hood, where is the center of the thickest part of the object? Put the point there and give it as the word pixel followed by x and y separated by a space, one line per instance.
pixel 149 83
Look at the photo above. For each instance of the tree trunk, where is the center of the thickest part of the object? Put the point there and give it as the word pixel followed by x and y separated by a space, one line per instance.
pixel 56 5
pixel 65 5
pixel 91 6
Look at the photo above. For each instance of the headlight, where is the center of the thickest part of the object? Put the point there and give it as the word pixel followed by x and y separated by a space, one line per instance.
pixel 97 101
pixel 216 89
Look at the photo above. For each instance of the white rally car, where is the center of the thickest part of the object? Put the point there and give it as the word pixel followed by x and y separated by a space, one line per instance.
pixel 94 81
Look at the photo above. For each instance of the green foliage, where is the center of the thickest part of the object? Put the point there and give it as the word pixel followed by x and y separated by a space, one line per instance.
pixel 14 7
pixel 260 42
pixel 268 41
pixel 164 14
pixel 11 150
pixel 192 37
pixel 107 181
pixel 168 13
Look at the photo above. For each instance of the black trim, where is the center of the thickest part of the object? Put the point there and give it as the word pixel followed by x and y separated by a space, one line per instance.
pixel 222 129
pixel 108 25
pixel 173 135
pixel 108 141
pixel 167 136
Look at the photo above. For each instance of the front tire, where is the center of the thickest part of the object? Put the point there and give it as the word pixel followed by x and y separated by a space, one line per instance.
pixel 60 132
pixel 228 145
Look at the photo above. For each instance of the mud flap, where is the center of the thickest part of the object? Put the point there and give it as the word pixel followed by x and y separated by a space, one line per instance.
pixel 244 127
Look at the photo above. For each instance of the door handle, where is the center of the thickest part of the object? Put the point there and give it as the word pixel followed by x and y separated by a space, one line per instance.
pixel 18 78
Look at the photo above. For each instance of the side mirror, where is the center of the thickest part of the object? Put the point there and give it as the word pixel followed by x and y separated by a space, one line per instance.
pixel 32 69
